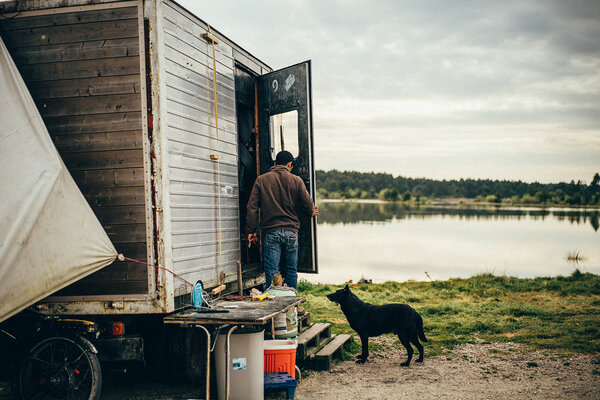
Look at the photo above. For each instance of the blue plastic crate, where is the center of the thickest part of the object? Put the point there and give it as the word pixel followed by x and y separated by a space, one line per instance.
pixel 281 380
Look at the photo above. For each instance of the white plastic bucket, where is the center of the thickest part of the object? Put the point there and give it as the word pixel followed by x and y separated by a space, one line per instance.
pixel 246 365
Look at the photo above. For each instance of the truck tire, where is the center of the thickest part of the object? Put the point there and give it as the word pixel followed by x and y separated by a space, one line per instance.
pixel 59 368
pixel 187 354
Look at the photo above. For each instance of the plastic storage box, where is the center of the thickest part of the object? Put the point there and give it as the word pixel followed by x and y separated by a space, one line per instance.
pixel 280 356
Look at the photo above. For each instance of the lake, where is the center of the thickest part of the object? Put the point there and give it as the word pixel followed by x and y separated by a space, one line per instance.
pixel 394 242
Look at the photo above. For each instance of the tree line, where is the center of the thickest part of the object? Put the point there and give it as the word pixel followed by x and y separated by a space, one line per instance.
pixel 336 184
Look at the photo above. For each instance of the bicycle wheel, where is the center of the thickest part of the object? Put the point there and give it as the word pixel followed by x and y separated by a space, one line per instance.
pixel 60 368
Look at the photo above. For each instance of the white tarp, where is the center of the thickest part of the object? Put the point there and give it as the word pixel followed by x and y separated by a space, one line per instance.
pixel 50 236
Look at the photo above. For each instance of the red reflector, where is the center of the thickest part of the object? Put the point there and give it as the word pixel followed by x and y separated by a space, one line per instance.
pixel 76 372
pixel 118 328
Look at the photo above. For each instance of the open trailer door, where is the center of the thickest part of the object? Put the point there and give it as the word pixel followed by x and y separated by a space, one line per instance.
pixel 285 123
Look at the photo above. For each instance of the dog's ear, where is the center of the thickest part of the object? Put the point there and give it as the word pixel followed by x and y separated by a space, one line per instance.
pixel 347 288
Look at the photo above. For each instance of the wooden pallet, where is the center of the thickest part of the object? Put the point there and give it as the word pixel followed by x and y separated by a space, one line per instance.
pixel 303 322
pixel 312 340
pixel 324 358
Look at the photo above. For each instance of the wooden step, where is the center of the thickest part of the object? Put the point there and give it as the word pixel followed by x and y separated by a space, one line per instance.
pixel 303 321
pixel 325 357
pixel 312 339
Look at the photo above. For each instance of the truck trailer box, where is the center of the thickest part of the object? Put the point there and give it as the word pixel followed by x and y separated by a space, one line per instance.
pixel 164 124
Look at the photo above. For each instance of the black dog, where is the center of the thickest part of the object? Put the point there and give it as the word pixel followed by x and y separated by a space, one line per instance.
pixel 369 320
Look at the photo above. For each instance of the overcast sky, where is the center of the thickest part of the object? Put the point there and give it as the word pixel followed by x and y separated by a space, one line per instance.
pixel 438 89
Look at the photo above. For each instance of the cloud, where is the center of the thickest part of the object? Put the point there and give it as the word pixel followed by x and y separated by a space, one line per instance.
pixel 440 89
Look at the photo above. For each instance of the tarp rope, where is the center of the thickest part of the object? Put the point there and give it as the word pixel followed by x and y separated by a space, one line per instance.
pixel 212 41
pixel 121 257
pixel 205 294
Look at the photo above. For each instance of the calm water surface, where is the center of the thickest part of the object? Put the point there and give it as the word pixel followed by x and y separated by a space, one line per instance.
pixel 386 242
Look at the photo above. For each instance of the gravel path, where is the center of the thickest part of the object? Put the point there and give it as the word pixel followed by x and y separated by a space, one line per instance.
pixel 475 371
pixel 481 371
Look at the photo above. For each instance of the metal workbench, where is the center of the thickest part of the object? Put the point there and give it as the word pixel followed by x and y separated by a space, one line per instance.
pixel 230 314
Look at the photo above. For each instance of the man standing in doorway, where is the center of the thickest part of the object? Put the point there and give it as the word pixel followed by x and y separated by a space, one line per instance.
pixel 281 197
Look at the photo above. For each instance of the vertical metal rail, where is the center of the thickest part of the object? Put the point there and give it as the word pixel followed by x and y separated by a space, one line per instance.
pixel 150 172
pixel 207 360
pixel 227 350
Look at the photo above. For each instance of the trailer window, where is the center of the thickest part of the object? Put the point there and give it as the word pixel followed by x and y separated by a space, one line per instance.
pixel 284 133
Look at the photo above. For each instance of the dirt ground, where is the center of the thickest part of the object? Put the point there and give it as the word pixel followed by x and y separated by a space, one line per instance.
pixel 474 371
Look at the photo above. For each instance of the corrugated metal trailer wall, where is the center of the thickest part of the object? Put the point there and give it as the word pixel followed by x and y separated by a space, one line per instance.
pixel 82 67
pixel 203 192
pixel 200 188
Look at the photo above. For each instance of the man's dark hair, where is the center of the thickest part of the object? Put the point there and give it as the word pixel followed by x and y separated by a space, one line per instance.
pixel 284 157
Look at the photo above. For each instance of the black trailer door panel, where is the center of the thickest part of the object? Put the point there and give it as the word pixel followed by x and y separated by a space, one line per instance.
pixel 285 123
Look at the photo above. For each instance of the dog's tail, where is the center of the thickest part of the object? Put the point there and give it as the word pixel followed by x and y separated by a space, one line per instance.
pixel 420 329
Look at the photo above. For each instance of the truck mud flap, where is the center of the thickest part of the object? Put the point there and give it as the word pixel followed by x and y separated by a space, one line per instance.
pixel 120 349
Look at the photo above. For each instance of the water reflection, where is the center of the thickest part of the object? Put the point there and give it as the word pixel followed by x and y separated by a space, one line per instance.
pixel 394 242
pixel 363 212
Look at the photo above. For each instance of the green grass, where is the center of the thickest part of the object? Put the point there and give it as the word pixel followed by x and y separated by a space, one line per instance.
pixel 560 313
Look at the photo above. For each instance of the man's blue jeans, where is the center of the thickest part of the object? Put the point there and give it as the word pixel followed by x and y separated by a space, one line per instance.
pixel 277 244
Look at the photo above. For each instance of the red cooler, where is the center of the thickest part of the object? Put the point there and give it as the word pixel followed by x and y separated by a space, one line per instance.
pixel 280 356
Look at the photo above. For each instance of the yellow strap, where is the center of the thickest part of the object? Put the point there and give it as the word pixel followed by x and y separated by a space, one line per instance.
pixel 212 41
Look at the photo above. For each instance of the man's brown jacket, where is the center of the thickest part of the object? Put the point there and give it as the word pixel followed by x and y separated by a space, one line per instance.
pixel 281 197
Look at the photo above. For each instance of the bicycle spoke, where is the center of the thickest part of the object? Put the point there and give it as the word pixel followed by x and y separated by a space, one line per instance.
pixel 87 372
pixel 77 359
pixel 59 369
pixel 38 360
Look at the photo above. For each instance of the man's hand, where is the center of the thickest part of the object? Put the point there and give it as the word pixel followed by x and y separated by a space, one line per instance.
pixel 252 238
pixel 315 211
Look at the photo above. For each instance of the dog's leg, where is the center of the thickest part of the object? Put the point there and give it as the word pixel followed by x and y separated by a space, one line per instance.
pixel 419 347
pixel 409 350
pixel 364 340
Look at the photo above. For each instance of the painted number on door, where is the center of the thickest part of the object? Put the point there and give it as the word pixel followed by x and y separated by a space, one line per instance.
pixel 289 82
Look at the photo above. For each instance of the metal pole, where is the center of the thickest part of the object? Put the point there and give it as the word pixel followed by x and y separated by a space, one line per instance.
pixel 227 378
pixel 207 361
